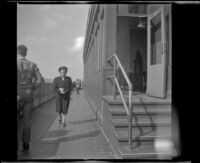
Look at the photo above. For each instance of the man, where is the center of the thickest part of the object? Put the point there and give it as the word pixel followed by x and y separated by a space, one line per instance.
pixel 28 78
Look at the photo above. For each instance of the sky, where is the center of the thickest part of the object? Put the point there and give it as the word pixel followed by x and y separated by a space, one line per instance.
pixel 54 35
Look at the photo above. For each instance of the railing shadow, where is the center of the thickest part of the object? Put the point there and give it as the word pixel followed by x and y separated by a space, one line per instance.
pixel 142 133
pixel 75 137
pixel 82 121
pixel 56 133
pixel 52 145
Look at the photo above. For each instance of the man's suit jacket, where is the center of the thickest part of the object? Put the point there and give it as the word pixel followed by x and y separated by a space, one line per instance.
pixel 66 84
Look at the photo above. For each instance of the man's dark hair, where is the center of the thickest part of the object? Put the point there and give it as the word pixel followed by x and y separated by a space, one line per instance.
pixel 62 67
pixel 22 50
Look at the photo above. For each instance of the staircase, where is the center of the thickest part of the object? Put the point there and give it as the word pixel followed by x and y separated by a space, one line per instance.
pixel 151 117
pixel 151 121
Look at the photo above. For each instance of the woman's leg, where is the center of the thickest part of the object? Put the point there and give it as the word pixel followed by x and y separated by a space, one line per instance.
pixel 63 118
pixel 60 117
pixel 59 107
pixel 65 104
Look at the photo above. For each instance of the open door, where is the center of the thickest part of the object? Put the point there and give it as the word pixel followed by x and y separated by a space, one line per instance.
pixel 156 56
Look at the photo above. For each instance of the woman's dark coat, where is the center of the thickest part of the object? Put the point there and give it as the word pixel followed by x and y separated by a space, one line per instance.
pixel 62 100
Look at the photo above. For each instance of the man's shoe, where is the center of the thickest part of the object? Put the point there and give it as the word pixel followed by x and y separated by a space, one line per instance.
pixel 25 146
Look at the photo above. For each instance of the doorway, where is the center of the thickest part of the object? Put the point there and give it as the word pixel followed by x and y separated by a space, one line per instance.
pixel 131 42
pixel 150 41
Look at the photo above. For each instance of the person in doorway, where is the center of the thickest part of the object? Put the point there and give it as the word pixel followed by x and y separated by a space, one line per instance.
pixel 138 71
pixel 28 78
pixel 63 88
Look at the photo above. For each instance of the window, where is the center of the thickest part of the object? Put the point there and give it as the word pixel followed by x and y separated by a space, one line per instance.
pixel 137 9
pixel 155 25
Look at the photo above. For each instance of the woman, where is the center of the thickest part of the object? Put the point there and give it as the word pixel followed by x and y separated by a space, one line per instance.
pixel 63 88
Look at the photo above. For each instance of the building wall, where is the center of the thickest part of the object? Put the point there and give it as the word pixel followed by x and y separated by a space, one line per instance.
pixel 110 39
pixel 93 87
pixel 123 42
pixel 169 49
pixel 94 61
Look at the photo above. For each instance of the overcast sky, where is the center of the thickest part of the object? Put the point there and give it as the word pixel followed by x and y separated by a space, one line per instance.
pixel 54 35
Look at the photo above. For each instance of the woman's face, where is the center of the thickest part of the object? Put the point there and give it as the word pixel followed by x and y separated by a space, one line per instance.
pixel 63 72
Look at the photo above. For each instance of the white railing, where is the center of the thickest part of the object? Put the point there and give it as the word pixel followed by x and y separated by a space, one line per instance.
pixel 116 83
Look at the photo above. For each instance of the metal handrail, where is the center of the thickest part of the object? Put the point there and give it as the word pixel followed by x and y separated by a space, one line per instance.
pixel 121 94
pixel 128 109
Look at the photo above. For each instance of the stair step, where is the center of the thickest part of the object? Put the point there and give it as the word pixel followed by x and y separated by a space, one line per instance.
pixel 143 119
pixel 138 100
pixel 122 136
pixel 123 122
pixel 110 76
pixel 146 129
pixel 142 151
pixel 137 104
pixel 141 111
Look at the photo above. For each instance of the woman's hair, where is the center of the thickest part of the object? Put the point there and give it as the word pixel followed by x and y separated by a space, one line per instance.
pixel 62 67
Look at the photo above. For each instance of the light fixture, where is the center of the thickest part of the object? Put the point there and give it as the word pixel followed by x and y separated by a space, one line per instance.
pixel 142 22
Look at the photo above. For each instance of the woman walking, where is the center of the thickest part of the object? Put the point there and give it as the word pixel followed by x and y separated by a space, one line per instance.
pixel 63 88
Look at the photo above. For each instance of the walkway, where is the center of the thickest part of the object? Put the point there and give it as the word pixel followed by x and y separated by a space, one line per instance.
pixel 80 139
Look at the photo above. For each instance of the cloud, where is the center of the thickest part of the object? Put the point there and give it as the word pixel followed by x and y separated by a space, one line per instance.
pixel 78 44
pixel 31 40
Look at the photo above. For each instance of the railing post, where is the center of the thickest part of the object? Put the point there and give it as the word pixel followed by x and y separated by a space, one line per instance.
pixel 130 118
pixel 114 78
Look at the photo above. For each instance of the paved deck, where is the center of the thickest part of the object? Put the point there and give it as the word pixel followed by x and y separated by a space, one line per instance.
pixel 80 139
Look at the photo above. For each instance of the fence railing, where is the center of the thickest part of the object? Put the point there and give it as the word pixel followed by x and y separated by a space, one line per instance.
pixel 43 94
